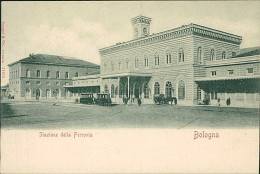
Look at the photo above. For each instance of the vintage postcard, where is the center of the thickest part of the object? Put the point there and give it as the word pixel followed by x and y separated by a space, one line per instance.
pixel 130 87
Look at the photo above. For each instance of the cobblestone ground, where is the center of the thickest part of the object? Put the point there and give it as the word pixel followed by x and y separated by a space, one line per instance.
pixel 45 115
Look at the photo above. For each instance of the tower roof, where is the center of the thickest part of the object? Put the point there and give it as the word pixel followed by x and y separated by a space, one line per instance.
pixel 141 19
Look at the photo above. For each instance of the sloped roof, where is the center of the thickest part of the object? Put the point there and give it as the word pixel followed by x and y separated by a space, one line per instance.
pixel 248 52
pixel 56 60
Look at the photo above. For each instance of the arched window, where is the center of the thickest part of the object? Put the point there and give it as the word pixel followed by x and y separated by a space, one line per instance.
pixel 66 75
pixel 146 90
pixel 181 90
pixel 168 90
pixel 212 54
pixel 112 91
pixel 27 73
pixel 156 59
pixel 224 55
pixel 156 88
pixel 119 64
pixel 112 66
pixel 127 64
pixel 38 73
pixel 106 89
pixel 48 74
pixel 168 57
pixel 57 75
pixel 146 61
pixel 181 55
pixel 136 62
pixel 199 55
pixel 76 74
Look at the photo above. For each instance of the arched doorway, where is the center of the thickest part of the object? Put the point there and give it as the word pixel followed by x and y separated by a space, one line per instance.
pixel 27 94
pixel 57 93
pixel 67 93
pixel 156 88
pixel 48 93
pixel 38 94
pixel 146 90
pixel 181 90
pixel 168 89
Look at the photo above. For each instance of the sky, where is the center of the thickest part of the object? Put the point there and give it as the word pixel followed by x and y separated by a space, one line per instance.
pixel 80 29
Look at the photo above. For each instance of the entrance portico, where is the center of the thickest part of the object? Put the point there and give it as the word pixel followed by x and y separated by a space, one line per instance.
pixel 129 85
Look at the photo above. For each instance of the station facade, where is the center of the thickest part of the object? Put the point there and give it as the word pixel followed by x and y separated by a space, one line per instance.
pixel 185 62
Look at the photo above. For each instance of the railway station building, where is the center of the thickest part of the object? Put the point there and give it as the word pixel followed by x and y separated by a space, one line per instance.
pixel 191 63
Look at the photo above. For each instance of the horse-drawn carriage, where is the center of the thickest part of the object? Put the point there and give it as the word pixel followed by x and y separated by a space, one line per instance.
pixel 161 99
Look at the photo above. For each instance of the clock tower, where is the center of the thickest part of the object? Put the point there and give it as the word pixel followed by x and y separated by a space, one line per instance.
pixel 141 26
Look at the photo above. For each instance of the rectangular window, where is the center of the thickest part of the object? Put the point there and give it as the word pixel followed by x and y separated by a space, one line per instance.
pixel 250 70
pixel 38 82
pixel 66 83
pixel 213 73
pixel 48 83
pixel 230 72
pixel 214 95
pixel 57 83
pixel 28 83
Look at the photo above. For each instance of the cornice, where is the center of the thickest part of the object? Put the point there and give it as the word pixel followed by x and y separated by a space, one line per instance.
pixel 191 29
pixel 54 64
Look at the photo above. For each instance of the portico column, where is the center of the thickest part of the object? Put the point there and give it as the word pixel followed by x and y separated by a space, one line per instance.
pixel 109 87
pixel 118 83
pixel 128 92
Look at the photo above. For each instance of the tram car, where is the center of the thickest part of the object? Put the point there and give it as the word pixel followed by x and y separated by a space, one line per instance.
pixel 87 98
pixel 103 99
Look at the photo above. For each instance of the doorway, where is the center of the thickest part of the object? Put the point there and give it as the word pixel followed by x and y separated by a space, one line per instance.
pixel 48 93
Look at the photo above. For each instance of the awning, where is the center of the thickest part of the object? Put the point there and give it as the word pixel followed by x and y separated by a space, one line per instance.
pixel 227 78
pixel 82 86
pixel 127 74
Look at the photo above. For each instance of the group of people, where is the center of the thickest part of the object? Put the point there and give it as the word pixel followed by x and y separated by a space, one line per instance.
pixel 126 99
pixel 228 101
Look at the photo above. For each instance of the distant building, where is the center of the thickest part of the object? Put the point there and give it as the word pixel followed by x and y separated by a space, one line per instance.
pixel 43 76
pixel 4 91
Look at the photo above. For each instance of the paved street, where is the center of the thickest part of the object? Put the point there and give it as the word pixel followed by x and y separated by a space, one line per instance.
pixel 44 115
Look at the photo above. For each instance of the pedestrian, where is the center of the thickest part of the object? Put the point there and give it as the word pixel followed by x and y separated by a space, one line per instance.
pixel 139 101
pixel 171 99
pixel 228 101
pixel 175 100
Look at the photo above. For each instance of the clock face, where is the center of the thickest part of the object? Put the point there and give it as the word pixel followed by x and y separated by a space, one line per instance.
pixel 145 31
pixel 136 31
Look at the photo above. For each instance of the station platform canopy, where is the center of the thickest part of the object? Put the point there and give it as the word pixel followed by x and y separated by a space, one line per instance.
pixel 127 74
pixel 244 84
